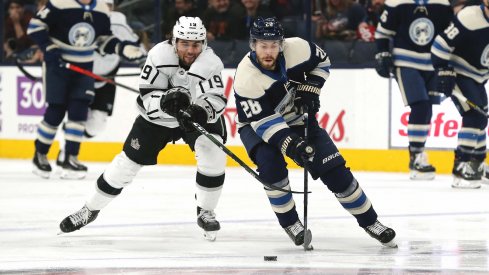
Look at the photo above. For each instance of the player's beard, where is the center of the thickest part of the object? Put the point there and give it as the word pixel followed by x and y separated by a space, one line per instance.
pixel 188 59
pixel 268 62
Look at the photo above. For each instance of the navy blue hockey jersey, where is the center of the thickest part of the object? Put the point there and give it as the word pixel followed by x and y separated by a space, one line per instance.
pixel 412 24
pixel 465 44
pixel 265 99
pixel 75 28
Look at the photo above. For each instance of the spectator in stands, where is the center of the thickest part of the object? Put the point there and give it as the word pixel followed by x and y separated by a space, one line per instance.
pixel 254 8
pixel 15 32
pixel 179 8
pixel 366 29
pixel 340 20
pixel 291 15
pixel 285 9
pixel 222 20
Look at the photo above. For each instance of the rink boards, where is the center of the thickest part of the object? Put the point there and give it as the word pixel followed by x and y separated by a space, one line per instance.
pixel 367 122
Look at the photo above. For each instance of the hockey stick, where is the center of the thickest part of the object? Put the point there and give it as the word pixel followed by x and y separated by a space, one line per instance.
pixel 471 104
pixel 233 156
pixel 307 233
pixel 77 69
pixel 25 72
pixel 133 74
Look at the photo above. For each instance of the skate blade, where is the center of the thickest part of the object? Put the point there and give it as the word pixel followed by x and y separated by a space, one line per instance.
pixel 72 175
pixel 40 173
pixel 391 244
pixel 460 183
pixel 210 235
pixel 307 241
pixel 415 175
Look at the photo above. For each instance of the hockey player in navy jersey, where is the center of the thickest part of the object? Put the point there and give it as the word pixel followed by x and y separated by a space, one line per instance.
pixel 460 56
pixel 106 65
pixel 274 84
pixel 181 74
pixel 412 25
pixel 70 31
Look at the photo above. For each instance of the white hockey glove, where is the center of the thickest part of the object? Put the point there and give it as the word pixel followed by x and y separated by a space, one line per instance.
pixel 130 52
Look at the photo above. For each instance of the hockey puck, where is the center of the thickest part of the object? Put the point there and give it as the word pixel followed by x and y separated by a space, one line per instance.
pixel 270 258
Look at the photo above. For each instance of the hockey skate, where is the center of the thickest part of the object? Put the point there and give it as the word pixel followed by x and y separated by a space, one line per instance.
pixel 419 167
pixel 72 168
pixel 467 174
pixel 382 233
pixel 206 219
pixel 78 219
pixel 296 234
pixel 41 167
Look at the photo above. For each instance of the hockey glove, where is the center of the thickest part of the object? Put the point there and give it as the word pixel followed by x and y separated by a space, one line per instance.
pixel 445 80
pixel 296 148
pixel 307 94
pixel 131 52
pixel 196 114
pixel 384 64
pixel 174 100
pixel 52 55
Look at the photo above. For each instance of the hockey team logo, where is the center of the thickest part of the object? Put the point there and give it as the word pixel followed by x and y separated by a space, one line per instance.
pixel 485 57
pixel 81 35
pixel 421 31
pixel 135 143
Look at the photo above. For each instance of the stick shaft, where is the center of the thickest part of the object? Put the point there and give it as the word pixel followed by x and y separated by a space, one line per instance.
pixel 98 77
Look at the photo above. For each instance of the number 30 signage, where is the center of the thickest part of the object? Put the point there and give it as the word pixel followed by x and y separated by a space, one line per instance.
pixel 30 97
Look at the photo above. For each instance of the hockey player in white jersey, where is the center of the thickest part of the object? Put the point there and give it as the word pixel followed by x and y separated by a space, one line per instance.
pixel 105 65
pixel 180 75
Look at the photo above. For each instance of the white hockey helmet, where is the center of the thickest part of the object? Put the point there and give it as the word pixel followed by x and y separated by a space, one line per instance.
pixel 189 28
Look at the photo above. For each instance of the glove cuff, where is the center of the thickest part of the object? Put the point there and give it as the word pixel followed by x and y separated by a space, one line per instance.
pixel 309 88
pixel 290 141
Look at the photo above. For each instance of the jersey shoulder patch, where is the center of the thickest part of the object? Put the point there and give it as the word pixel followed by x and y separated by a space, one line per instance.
pixel 296 51
pixel 102 7
pixel 439 2
pixel 65 4
pixel 163 54
pixel 472 18
pixel 118 18
pixel 207 64
pixel 249 81
pixel 395 3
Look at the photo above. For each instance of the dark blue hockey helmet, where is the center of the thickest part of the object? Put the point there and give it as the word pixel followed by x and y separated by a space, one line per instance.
pixel 266 29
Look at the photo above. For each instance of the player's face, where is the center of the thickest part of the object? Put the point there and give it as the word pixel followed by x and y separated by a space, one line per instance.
pixel 267 53
pixel 188 50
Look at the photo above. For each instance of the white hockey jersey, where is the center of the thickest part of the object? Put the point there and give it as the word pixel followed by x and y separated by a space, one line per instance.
pixel 162 72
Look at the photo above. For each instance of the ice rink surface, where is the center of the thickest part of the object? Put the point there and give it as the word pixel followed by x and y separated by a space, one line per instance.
pixel 151 227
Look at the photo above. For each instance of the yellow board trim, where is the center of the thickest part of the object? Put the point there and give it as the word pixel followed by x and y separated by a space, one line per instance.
pixel 394 160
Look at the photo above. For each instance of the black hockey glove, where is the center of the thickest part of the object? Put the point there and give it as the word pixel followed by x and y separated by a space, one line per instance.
pixel 131 52
pixel 445 80
pixel 52 55
pixel 196 114
pixel 174 100
pixel 307 94
pixel 296 148
pixel 384 64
